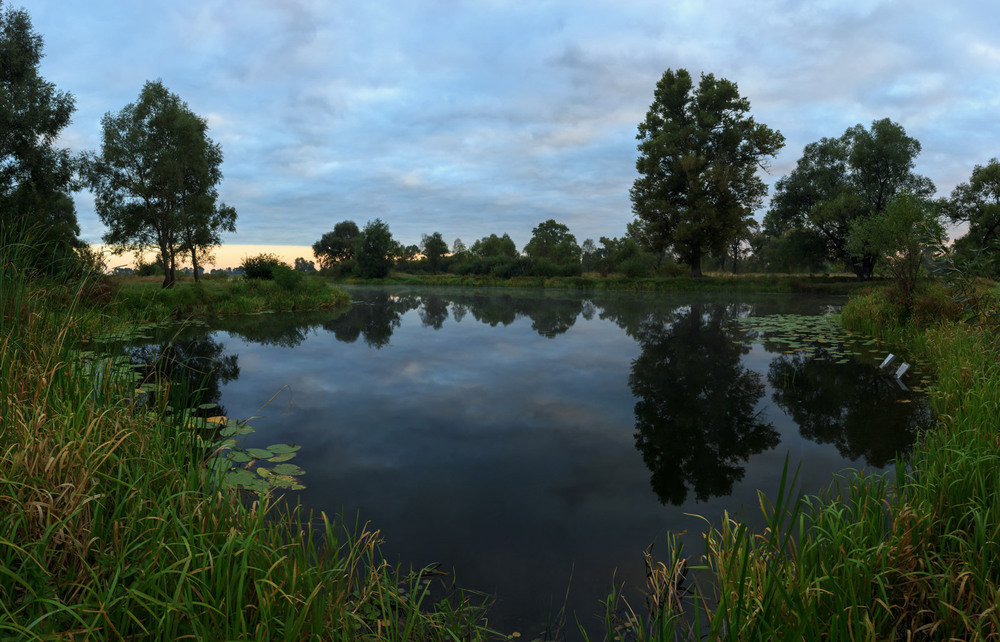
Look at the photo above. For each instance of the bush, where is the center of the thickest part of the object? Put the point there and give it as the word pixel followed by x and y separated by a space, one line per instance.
pixel 261 266
pixel 287 278
pixel 638 266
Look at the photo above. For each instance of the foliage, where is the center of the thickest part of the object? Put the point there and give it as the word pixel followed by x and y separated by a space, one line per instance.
pixel 839 181
pixel 699 152
pixel 337 246
pixel 494 245
pixel 302 265
pixel 899 236
pixel 287 278
pixel 434 248
pixel 36 177
pixel 376 250
pixel 553 242
pixel 978 204
pixel 155 180
pixel 261 266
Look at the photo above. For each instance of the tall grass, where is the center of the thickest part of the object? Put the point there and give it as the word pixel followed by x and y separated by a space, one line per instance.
pixel 110 528
pixel 907 556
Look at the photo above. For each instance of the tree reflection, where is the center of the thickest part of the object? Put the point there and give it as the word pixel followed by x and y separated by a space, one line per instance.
pixel 374 315
pixel 433 311
pixel 194 367
pixel 835 403
pixel 695 416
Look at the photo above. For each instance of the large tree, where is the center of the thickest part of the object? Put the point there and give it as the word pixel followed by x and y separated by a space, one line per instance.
pixel 494 245
pixel 552 241
pixel 337 246
pixel 376 250
pixel 839 181
pixel 36 177
pixel 978 204
pixel 155 180
pixel 434 248
pixel 699 153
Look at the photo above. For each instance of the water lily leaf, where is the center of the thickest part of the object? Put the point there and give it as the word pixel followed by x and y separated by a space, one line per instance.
pixel 285 482
pixel 216 420
pixel 283 448
pixel 263 472
pixel 280 458
pixel 260 453
pixel 207 406
pixel 229 431
pixel 239 457
pixel 288 469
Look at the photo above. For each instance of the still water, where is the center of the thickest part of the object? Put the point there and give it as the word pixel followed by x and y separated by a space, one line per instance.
pixel 534 443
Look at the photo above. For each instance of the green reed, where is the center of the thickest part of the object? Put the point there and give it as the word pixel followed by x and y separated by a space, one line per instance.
pixel 111 528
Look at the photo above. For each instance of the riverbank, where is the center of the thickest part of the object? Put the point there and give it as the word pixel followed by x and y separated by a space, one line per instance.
pixel 115 528
pixel 144 298
pixel 910 556
pixel 783 283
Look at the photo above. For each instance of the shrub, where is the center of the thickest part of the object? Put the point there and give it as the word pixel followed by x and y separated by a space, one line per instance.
pixel 637 266
pixel 287 278
pixel 261 266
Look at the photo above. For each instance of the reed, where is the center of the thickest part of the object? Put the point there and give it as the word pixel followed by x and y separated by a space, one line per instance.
pixel 113 528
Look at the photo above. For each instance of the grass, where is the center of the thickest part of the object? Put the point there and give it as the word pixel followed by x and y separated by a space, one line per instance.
pixel 144 298
pixel 907 556
pixel 113 527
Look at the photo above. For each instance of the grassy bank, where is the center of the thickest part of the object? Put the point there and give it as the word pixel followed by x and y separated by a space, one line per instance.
pixel 907 557
pixel 144 298
pixel 112 528
pixel 840 284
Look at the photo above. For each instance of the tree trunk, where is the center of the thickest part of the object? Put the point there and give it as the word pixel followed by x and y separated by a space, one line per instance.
pixel 194 262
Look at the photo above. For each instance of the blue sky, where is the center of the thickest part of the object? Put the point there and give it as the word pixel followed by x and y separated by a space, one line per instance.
pixel 490 116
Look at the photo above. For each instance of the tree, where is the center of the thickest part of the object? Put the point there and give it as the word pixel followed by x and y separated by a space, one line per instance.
pixel 699 152
pixel 376 250
pixel 552 241
pixel 338 246
pixel 839 181
pixel 899 235
pixel 458 247
pixel 36 177
pixel 302 265
pixel 978 204
pixel 155 180
pixel 434 248
pixel 494 245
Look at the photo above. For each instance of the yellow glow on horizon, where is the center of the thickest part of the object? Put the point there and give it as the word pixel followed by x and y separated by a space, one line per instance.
pixel 226 256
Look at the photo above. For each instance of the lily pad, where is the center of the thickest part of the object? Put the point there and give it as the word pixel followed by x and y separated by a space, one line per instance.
pixel 288 469
pixel 260 453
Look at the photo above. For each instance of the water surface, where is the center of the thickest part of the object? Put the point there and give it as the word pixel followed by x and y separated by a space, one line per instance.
pixel 534 443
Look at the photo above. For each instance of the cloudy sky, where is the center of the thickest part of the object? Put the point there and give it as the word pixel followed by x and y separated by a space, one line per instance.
pixel 490 116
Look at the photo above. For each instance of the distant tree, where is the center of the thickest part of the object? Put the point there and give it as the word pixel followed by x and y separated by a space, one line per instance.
pixel 699 152
pixel 588 255
pixel 458 247
pixel 155 179
pixel 35 176
pixel 376 250
pixel 434 248
pixel 840 181
pixel 494 245
pixel 552 241
pixel 978 204
pixel 337 246
pixel 302 265
pixel 407 252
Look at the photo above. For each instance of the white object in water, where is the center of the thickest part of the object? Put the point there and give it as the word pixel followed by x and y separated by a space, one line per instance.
pixel 888 361
pixel 902 370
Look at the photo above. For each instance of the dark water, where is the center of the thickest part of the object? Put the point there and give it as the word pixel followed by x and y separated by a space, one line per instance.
pixel 535 443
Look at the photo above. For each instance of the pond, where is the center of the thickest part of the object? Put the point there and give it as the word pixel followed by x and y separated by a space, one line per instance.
pixel 535 443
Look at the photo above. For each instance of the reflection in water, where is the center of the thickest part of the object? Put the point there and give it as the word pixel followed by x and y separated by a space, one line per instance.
pixel 836 404
pixel 196 368
pixel 695 416
pixel 374 315
pixel 434 311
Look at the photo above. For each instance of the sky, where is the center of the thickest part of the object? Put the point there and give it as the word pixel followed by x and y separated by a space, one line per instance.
pixel 491 116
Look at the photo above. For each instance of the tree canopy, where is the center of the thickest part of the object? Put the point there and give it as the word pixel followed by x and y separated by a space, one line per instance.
pixel 978 204
pixel 36 177
pixel 494 245
pixel 841 180
pixel 337 246
pixel 434 248
pixel 376 250
pixel 155 180
pixel 699 152
pixel 552 241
